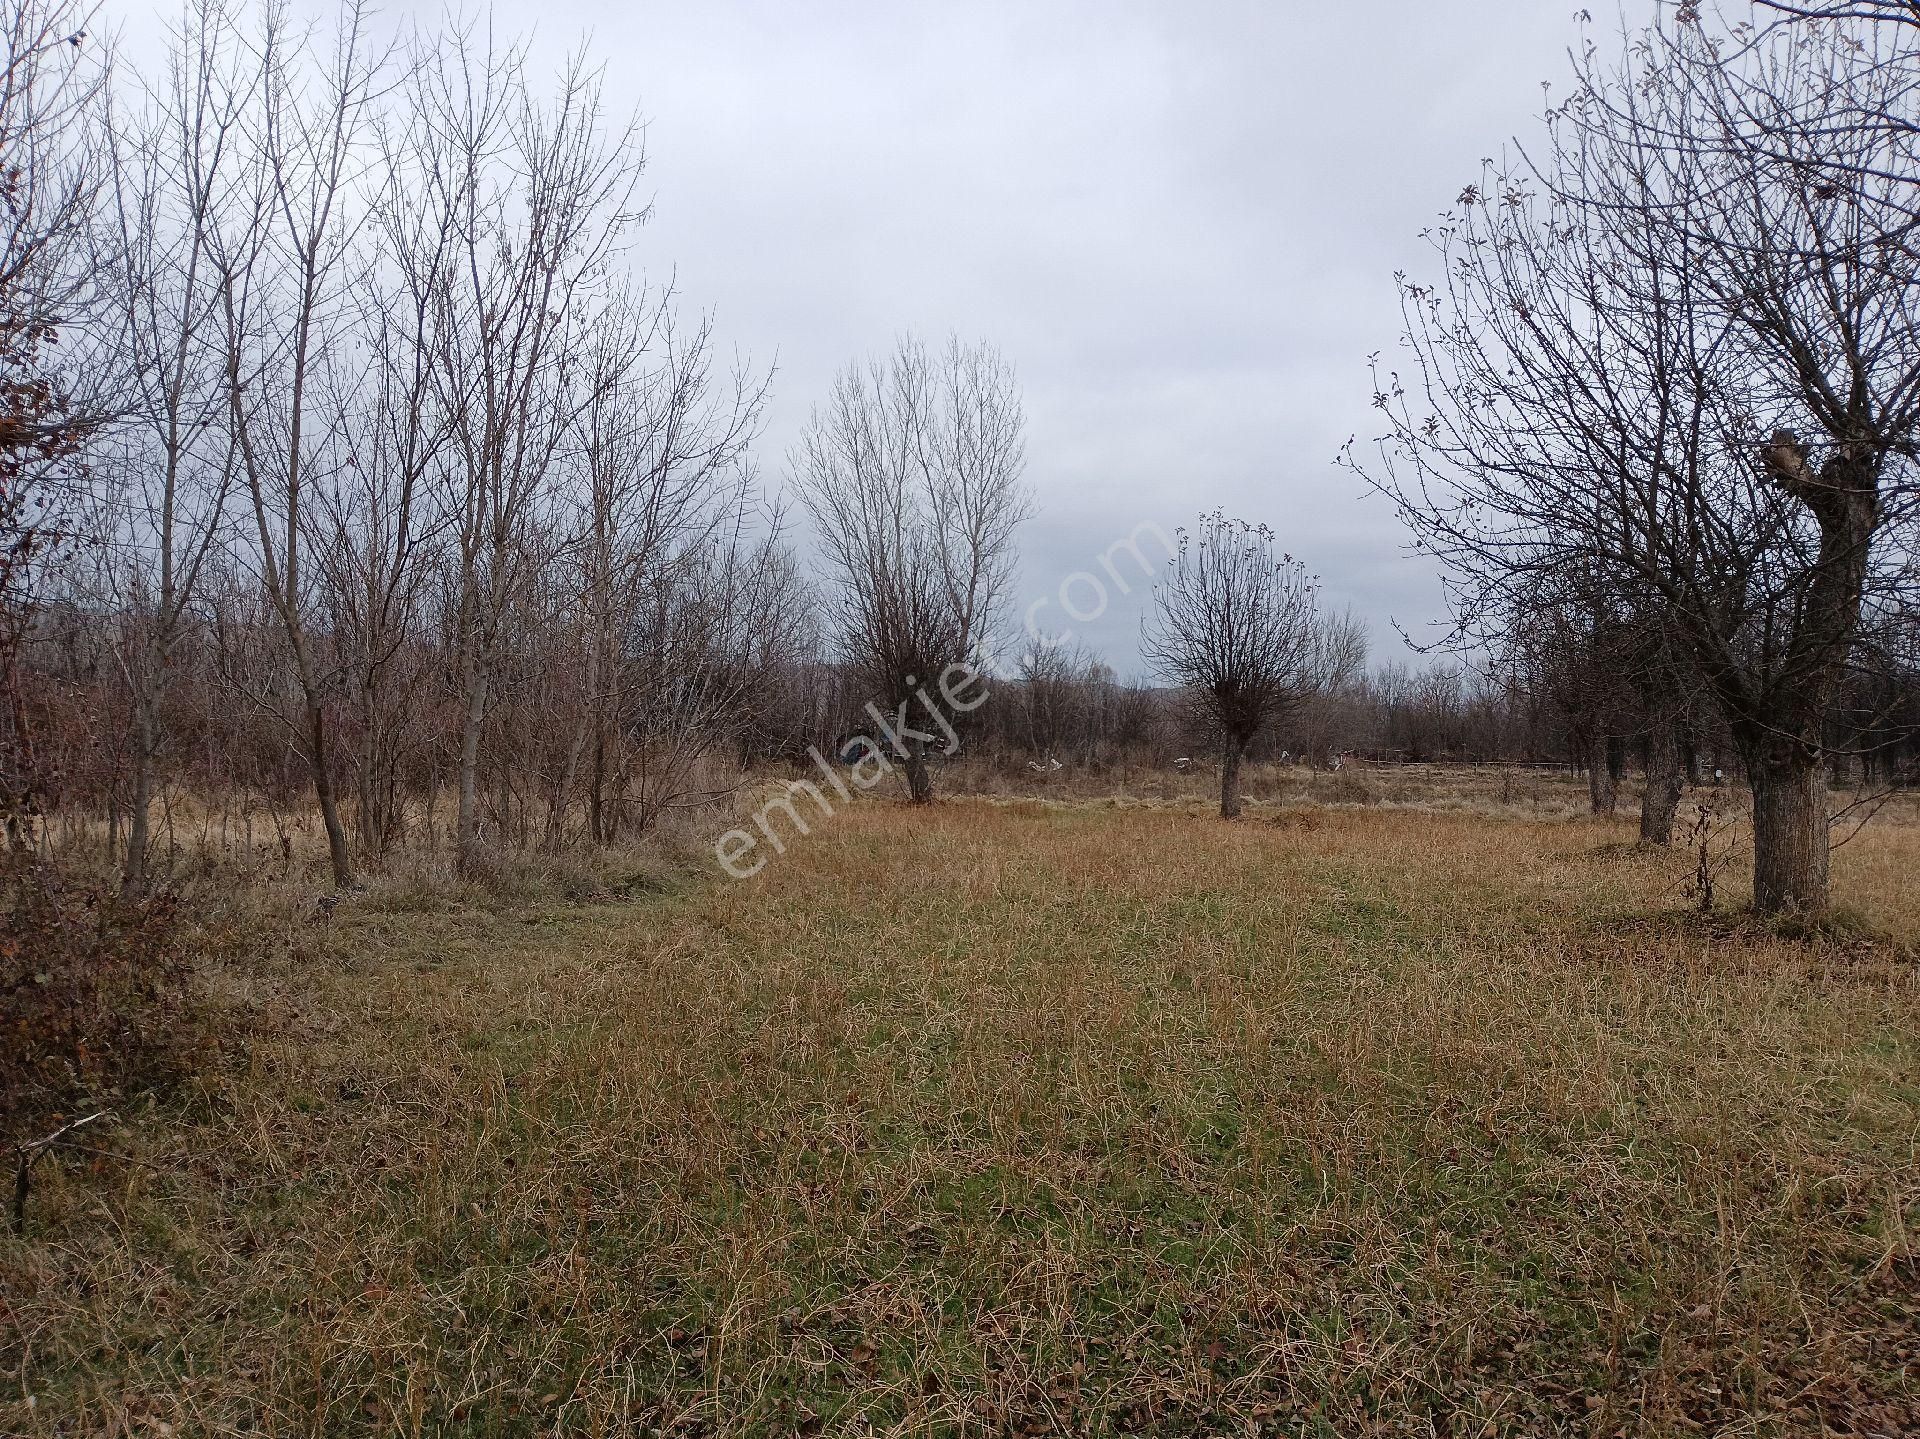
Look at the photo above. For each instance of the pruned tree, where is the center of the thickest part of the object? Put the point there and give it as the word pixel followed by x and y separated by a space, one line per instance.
pixel 1632 335
pixel 912 476
pixel 1573 650
pixel 1606 663
pixel 1237 626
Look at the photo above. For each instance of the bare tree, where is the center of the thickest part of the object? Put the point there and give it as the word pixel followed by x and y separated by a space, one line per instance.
pixel 1904 12
pixel 1621 328
pixel 177 153
pixel 663 558
pixel 374 535
pixel 540 198
pixel 386 414
pixel 912 476
pixel 1054 699
pixel 54 165
pixel 1573 647
pixel 1237 626
pixel 1607 665
pixel 288 263
pixel 716 622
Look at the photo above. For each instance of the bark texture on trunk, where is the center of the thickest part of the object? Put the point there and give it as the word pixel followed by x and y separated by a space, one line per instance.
pixel 1230 755
pixel 1603 789
pixel 466 816
pixel 919 775
pixel 1790 846
pixel 133 880
pixel 338 855
pixel 1783 740
pixel 1666 782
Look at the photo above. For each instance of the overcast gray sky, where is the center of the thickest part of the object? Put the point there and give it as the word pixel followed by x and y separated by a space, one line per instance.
pixel 1179 221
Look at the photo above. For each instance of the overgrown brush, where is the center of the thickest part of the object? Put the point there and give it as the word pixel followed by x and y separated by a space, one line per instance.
pixel 95 995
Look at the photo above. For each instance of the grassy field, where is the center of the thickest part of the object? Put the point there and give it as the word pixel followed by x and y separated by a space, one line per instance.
pixel 1025 1118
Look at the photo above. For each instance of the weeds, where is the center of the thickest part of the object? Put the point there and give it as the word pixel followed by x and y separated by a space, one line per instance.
pixel 1708 838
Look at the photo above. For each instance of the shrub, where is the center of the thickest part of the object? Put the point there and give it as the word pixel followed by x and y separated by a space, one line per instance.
pixel 94 995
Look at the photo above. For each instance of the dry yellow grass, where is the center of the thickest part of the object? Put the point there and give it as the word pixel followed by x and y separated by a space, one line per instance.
pixel 1024 1117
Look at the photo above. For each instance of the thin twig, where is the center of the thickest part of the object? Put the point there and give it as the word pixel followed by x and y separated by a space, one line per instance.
pixel 1872 803
pixel 30 1153
pixel 110 1154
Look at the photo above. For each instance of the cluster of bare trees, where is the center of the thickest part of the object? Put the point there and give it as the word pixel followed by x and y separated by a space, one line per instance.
pixel 1669 381
pixel 346 463
pixel 50 90
pixel 366 426
pixel 374 461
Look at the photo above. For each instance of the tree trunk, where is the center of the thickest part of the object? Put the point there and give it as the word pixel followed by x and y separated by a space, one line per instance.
pixel 1782 745
pixel 367 809
pixel 337 852
pixel 919 776
pixel 1666 782
pixel 376 785
pixel 133 880
pixel 466 820
pixel 1602 788
pixel 1790 836
pixel 1690 759
pixel 596 788
pixel 1230 755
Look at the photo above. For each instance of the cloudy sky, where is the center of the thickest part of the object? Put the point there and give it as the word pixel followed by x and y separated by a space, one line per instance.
pixel 1180 221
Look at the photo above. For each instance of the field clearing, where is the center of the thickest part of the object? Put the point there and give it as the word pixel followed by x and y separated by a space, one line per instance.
pixel 1030 1116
